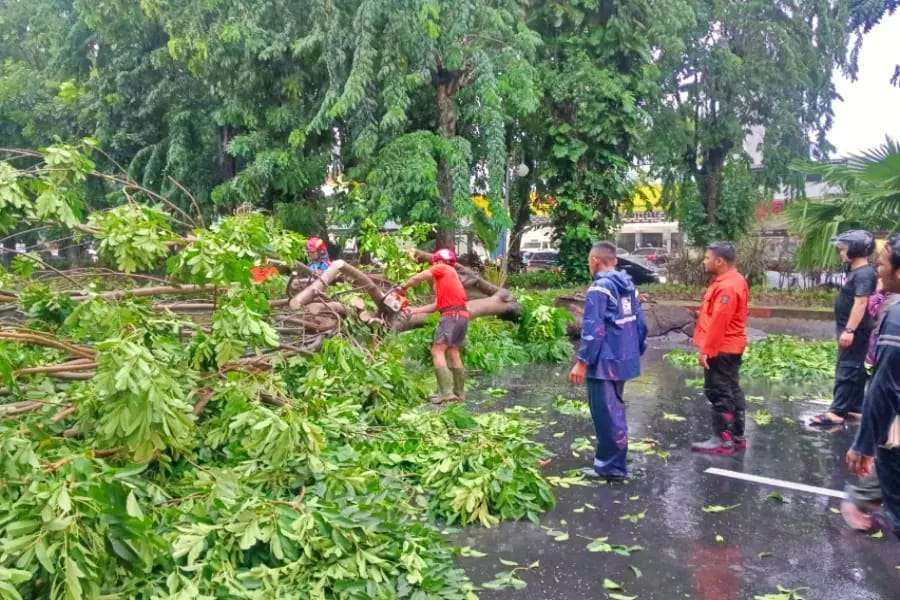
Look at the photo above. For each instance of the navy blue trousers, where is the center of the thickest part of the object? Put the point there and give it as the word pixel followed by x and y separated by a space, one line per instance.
pixel 608 412
pixel 850 376
pixel 887 467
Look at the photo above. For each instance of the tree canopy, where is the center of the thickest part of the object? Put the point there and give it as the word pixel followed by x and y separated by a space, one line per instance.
pixel 415 106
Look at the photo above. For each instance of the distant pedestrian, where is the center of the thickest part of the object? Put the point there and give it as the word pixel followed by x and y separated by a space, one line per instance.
pixel 317 250
pixel 853 326
pixel 876 448
pixel 721 338
pixel 613 336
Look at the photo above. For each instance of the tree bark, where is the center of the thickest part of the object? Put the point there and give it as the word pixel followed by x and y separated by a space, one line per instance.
pixel 447 117
pixel 522 219
pixel 712 175
pixel 337 269
pixel 492 306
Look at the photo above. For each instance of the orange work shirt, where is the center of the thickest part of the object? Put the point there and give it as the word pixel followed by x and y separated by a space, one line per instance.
pixel 722 323
pixel 448 288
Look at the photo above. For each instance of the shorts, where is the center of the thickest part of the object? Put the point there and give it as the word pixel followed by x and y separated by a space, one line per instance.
pixel 451 331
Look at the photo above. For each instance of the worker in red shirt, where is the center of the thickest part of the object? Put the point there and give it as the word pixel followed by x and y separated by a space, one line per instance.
pixel 451 301
pixel 721 337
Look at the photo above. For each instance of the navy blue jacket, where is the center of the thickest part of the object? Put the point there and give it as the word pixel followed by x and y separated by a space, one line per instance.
pixel 882 401
pixel 613 330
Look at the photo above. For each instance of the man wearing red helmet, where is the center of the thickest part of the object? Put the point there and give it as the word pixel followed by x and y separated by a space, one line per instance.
pixel 318 254
pixel 450 300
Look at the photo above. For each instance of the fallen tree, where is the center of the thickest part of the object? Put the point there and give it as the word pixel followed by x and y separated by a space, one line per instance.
pixel 172 429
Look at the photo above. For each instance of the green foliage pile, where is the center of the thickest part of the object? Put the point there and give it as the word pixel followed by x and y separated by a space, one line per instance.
pixel 177 471
pixel 493 345
pixel 779 358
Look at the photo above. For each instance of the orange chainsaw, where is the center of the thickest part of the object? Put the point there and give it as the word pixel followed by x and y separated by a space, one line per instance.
pixel 395 300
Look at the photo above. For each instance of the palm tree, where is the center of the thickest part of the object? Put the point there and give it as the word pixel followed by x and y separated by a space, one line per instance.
pixel 869 199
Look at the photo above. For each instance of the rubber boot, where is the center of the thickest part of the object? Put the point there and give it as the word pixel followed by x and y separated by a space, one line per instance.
pixel 445 385
pixel 717 444
pixel 720 442
pixel 459 383
pixel 740 441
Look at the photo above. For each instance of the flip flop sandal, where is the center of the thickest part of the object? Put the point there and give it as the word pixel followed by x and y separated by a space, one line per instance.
pixel 824 420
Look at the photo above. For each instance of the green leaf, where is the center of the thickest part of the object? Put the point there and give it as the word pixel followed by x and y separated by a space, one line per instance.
pixel 133 507
pixel 717 508
pixel 609 584
pixel 776 497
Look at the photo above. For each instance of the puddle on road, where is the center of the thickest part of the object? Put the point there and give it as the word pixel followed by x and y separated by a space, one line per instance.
pixel 687 553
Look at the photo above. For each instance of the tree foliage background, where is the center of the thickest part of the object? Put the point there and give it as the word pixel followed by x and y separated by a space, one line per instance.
pixel 421 103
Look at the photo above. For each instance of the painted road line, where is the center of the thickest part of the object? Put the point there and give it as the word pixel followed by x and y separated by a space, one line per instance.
pixel 790 485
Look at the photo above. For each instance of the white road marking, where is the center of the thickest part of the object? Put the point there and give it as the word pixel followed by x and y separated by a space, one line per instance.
pixel 800 487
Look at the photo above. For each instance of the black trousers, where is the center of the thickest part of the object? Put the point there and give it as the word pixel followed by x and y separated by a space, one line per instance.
pixel 850 376
pixel 722 384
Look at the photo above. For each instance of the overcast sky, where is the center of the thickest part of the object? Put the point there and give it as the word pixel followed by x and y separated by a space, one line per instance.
pixel 871 106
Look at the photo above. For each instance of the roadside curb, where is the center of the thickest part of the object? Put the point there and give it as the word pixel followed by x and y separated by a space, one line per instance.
pixel 765 312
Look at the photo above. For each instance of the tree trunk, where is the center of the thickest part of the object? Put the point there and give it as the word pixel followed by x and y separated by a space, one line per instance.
pixel 712 175
pixel 522 219
pixel 446 84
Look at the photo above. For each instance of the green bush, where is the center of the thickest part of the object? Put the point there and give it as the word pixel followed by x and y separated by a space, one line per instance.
pixel 536 280
pixel 493 344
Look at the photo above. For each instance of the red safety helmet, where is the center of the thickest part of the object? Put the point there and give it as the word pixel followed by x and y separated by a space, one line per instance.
pixel 443 255
pixel 314 245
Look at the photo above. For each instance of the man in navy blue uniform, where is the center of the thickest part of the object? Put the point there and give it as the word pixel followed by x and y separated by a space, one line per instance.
pixel 613 335
pixel 877 444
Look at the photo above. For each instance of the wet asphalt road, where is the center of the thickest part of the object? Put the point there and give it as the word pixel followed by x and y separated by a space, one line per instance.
pixel 687 553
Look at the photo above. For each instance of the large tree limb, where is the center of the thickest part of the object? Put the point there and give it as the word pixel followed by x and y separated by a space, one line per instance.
pixel 338 268
pixel 26 336
pixel 492 306
pixel 155 290
pixel 473 279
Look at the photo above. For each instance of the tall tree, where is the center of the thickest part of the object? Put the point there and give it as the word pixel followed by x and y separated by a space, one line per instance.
pixel 746 64
pixel 598 75
pixel 422 101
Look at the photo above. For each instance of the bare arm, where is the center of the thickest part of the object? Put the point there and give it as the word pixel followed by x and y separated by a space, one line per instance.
pixel 427 308
pixel 860 303
pixel 417 279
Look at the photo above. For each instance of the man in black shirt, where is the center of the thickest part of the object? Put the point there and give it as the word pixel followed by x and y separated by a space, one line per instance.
pixel 877 444
pixel 854 325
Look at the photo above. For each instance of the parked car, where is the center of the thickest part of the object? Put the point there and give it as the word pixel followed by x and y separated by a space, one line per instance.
pixel 657 256
pixel 545 260
pixel 641 271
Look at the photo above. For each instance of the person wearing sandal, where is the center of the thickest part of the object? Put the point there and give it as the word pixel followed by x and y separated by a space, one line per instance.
pixel 613 338
pixel 876 449
pixel 853 327
pixel 451 301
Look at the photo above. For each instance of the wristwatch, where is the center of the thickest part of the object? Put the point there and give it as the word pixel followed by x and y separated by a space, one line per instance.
pixel 848 330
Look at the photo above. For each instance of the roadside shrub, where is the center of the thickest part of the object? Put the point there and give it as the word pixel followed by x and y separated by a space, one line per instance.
pixel 536 280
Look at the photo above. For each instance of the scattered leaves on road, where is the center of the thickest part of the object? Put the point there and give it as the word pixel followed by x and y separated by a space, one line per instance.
pixel 717 508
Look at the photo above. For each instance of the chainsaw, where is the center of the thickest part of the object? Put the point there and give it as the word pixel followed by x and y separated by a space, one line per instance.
pixel 395 300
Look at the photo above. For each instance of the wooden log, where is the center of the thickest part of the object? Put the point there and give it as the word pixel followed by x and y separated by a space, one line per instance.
pixel 474 279
pixel 495 306
pixel 337 269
